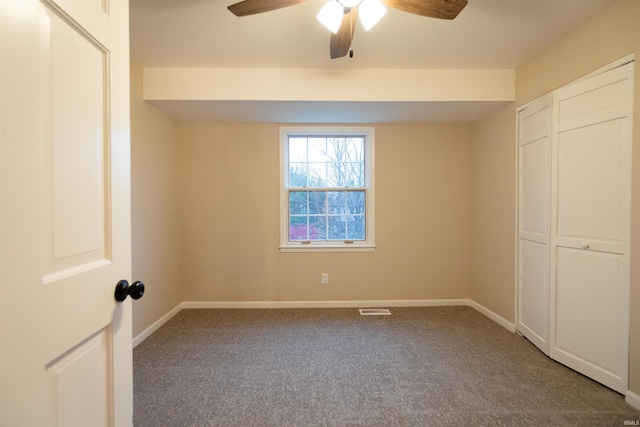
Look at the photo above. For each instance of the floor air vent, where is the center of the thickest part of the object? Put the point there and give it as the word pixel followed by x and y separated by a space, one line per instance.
pixel 374 312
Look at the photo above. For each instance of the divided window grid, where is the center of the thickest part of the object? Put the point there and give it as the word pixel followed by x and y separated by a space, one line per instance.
pixel 326 188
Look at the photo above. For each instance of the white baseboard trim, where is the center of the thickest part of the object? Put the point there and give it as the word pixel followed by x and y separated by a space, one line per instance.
pixel 156 325
pixel 322 304
pixel 325 304
pixel 632 399
pixel 511 327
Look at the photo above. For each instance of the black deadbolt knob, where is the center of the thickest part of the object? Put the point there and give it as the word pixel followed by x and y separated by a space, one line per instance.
pixel 123 290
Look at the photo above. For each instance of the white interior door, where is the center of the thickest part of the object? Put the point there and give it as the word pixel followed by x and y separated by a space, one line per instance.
pixel 591 199
pixel 534 156
pixel 65 213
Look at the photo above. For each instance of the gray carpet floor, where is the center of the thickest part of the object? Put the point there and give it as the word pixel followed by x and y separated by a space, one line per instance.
pixel 433 366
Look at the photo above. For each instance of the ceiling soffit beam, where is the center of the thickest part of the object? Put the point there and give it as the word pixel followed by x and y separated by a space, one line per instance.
pixel 273 84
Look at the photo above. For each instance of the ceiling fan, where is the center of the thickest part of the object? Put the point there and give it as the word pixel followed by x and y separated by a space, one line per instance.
pixel 340 15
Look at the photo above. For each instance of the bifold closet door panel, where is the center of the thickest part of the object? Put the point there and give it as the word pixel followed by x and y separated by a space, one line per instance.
pixel 534 168
pixel 590 226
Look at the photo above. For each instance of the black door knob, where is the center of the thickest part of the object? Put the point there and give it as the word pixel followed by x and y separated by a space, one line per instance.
pixel 136 290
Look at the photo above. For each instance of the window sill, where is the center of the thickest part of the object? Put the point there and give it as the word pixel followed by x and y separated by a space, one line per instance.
pixel 328 248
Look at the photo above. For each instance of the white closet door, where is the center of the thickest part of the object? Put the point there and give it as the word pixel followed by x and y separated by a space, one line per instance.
pixel 591 198
pixel 534 156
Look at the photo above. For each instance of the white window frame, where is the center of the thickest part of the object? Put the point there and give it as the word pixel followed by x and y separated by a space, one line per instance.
pixel 367 245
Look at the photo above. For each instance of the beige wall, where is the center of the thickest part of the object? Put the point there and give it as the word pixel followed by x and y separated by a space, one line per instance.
pixel 230 194
pixel 155 208
pixel 493 213
pixel 610 35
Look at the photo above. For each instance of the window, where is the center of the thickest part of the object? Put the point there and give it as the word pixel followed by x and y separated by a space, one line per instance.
pixel 326 194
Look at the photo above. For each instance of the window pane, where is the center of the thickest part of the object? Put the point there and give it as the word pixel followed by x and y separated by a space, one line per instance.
pixel 298 228
pixel 355 202
pixel 355 149
pixel 338 149
pixel 318 150
pixel 317 175
pixel 297 174
pixel 298 202
pixel 337 202
pixel 297 149
pixel 317 228
pixel 337 228
pixel 356 228
pixel 346 174
pixel 346 149
pixel 317 202
pixel 354 174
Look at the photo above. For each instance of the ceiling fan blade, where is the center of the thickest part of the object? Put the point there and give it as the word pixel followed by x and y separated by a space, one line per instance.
pixel 443 9
pixel 251 7
pixel 341 41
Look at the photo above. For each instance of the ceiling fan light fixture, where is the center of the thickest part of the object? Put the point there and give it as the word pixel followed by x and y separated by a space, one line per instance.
pixel 331 16
pixel 371 11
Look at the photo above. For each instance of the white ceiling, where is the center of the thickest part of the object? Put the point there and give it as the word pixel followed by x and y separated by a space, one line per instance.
pixel 488 34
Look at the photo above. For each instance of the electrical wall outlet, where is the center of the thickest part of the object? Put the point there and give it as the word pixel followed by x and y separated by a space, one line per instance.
pixel 325 278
